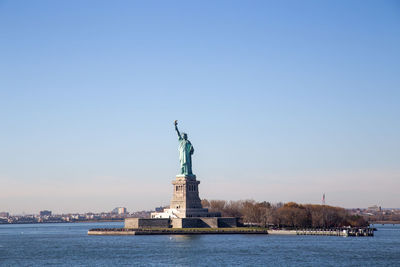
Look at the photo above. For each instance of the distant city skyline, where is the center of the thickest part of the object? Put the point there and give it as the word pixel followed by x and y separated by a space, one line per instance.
pixel 283 101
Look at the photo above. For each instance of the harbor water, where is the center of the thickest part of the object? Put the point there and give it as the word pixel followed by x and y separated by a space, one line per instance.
pixel 69 245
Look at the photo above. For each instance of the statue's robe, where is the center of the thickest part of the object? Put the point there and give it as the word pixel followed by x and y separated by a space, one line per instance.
pixel 185 156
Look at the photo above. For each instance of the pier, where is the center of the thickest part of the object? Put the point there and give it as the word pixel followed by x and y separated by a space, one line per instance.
pixel 366 231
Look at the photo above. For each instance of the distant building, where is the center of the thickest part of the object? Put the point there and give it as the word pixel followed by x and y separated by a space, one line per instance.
pixel 122 210
pixel 119 210
pixel 4 214
pixel 159 209
pixel 45 213
pixel 374 208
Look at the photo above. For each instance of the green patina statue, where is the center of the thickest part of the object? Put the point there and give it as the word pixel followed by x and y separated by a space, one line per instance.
pixel 185 152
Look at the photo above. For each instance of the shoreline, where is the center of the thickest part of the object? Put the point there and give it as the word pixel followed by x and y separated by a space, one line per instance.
pixel 365 231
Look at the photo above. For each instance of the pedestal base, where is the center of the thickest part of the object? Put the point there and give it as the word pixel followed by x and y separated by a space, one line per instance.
pixel 186 195
pixel 185 201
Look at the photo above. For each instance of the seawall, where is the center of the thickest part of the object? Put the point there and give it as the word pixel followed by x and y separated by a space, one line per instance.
pixel 238 230
pixel 175 231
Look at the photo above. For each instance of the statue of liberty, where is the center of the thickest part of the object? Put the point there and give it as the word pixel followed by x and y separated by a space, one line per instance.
pixel 185 152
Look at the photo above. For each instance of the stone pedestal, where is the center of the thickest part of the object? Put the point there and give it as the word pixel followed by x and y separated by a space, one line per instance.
pixel 185 193
pixel 185 201
pixel 185 197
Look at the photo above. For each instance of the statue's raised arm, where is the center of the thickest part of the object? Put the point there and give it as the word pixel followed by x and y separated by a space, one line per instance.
pixel 176 128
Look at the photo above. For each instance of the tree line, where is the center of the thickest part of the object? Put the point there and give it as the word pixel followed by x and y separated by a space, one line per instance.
pixel 285 215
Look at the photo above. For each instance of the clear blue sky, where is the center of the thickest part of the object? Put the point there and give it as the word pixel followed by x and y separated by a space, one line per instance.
pixel 282 100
